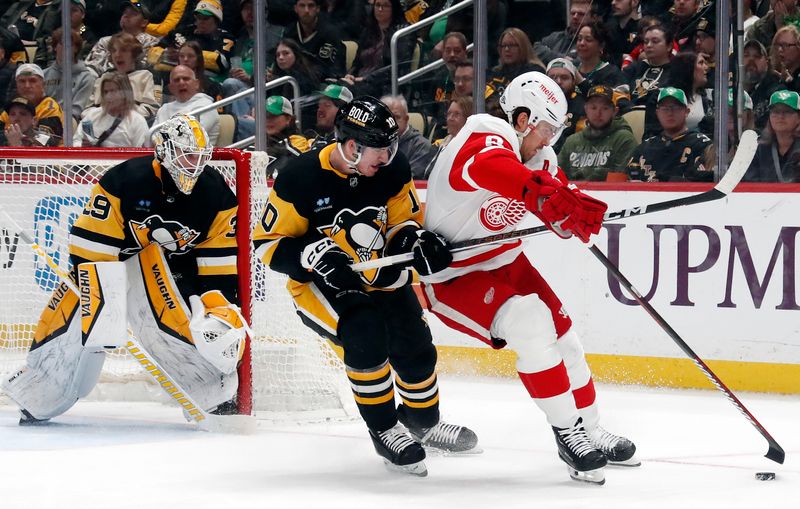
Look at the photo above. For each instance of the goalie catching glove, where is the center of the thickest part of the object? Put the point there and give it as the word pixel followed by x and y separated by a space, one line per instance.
pixel 563 208
pixel 218 329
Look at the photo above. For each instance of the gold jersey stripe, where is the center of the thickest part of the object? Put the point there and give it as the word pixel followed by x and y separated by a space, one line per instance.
pixel 94 256
pixel 217 270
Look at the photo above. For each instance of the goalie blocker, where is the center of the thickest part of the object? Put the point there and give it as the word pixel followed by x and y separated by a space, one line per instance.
pixel 200 350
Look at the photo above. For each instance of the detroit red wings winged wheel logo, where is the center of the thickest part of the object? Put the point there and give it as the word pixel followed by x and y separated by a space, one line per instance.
pixel 499 212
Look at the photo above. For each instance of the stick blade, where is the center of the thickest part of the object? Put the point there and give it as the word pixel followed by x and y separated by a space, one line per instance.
pixel 745 152
pixel 775 453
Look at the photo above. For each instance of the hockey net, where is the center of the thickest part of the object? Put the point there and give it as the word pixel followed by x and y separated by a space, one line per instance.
pixel 288 373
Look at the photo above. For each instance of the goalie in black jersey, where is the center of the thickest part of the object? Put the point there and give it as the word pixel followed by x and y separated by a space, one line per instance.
pixel 155 233
pixel 354 200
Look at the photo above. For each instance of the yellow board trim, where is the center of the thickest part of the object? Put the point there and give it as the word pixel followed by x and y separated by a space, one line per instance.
pixel 628 369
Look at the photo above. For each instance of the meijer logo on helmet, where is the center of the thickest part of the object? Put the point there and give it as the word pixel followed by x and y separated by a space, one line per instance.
pixel 551 96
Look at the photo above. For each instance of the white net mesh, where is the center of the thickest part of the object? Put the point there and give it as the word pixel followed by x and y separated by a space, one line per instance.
pixel 295 374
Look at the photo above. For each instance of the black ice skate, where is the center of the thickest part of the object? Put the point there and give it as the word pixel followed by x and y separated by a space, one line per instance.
pixel 26 419
pixel 443 437
pixel 585 463
pixel 618 450
pixel 399 451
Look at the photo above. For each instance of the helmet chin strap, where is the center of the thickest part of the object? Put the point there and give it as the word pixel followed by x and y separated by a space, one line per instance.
pixel 352 164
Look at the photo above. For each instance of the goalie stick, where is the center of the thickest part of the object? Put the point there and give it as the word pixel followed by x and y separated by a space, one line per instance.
pixel 205 421
pixel 741 162
pixel 775 451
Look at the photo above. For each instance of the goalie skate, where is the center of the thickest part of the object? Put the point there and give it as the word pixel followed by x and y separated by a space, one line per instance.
pixel 584 462
pixel 26 419
pixel 443 438
pixel 617 450
pixel 399 452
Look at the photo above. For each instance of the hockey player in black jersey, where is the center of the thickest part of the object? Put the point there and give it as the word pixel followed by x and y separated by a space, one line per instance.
pixel 354 200
pixel 678 154
pixel 164 227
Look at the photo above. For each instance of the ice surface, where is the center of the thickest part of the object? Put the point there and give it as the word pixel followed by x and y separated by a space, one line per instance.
pixel 696 449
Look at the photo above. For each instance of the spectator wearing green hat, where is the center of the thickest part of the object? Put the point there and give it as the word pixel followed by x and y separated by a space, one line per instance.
pixel 284 143
pixel 777 158
pixel 678 153
pixel 604 145
pixel 331 99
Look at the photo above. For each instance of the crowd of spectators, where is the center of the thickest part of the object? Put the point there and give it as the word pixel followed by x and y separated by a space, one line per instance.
pixel 638 75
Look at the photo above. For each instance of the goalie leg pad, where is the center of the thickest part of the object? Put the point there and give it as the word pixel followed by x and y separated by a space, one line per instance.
pixel 103 288
pixel 57 373
pixel 159 318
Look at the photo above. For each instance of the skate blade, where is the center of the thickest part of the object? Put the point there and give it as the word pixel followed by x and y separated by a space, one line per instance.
pixel 418 469
pixel 631 462
pixel 435 451
pixel 596 476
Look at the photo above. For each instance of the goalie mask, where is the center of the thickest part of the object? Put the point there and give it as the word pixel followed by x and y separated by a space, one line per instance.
pixel 183 148
pixel 539 96
pixel 368 122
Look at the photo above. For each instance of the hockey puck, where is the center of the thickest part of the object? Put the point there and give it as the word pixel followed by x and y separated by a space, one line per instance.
pixel 765 476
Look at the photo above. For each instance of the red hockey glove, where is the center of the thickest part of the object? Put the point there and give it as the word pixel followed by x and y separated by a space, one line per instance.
pixel 587 217
pixel 538 188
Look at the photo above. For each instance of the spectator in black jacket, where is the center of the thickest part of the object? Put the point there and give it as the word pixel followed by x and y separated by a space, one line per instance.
pixel 760 80
pixel 319 38
pixel 623 29
pixel 563 72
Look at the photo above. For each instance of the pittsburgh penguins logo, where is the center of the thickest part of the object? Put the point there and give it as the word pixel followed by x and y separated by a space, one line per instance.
pixel 360 234
pixel 499 212
pixel 174 237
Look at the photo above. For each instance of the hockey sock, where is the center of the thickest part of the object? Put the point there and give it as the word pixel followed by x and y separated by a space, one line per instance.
pixel 551 392
pixel 420 400
pixel 373 391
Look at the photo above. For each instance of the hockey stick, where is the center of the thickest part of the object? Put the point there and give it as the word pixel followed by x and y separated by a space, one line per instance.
pixel 741 162
pixel 193 412
pixel 775 451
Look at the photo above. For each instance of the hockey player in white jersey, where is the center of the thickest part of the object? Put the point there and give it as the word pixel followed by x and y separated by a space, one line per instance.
pixel 154 251
pixel 489 176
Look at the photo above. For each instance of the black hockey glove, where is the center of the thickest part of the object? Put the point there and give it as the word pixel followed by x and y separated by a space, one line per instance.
pixel 431 253
pixel 330 267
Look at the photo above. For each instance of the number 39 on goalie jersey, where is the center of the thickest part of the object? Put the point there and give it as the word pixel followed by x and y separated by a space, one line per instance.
pixel 136 204
pixel 310 199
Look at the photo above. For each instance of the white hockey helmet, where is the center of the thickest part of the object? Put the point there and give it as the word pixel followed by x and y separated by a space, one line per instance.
pixel 183 148
pixel 541 98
